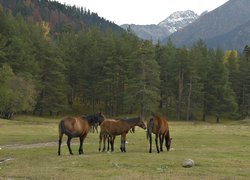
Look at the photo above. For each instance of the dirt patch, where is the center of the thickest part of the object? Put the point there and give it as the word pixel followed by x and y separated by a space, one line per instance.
pixel 27 146
pixel 35 145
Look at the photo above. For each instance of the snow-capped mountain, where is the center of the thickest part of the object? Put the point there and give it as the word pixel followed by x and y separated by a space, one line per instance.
pixel 179 20
pixel 226 27
pixel 158 32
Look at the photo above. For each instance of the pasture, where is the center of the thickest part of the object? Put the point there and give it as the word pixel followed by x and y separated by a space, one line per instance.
pixel 220 151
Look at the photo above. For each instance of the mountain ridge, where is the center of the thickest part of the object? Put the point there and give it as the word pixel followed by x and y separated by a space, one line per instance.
pixel 215 25
pixel 59 16
pixel 162 30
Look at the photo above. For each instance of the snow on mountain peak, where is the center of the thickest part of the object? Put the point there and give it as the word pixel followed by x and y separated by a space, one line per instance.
pixel 178 20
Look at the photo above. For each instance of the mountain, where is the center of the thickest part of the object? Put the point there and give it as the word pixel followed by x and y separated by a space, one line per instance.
pixel 171 24
pixel 226 27
pixel 59 17
pixel 178 20
pixel 148 32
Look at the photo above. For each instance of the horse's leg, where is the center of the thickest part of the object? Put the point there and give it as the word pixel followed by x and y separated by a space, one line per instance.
pixel 59 143
pixel 100 141
pixel 96 127
pixel 109 142
pixel 112 143
pixel 124 143
pixel 68 143
pixel 121 146
pixel 156 142
pixel 161 136
pixel 166 142
pixel 150 143
pixel 81 143
pixel 83 138
pixel 123 139
pixel 105 136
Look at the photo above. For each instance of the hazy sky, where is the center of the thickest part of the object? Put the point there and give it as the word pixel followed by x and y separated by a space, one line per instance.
pixel 142 11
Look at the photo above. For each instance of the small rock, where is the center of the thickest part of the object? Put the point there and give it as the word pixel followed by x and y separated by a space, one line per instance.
pixel 187 163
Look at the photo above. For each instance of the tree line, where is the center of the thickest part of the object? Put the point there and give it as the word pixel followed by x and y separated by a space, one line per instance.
pixel 94 70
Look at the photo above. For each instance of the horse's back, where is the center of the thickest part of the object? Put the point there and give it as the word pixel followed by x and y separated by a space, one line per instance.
pixel 74 125
pixel 164 126
pixel 112 126
pixel 160 125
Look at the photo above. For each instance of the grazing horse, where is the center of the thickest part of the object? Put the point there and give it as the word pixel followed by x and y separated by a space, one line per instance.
pixel 110 128
pixel 76 127
pixel 158 126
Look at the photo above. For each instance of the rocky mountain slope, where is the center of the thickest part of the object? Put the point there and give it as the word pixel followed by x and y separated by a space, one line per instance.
pixel 226 27
pixel 171 24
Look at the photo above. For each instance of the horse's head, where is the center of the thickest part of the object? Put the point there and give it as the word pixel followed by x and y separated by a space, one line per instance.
pixel 141 124
pixel 169 140
pixel 100 117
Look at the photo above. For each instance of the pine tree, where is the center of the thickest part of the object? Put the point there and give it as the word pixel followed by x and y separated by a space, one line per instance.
pixel 144 80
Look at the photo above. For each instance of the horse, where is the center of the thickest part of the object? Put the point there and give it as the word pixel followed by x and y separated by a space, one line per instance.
pixel 110 128
pixel 76 127
pixel 109 138
pixel 95 122
pixel 159 126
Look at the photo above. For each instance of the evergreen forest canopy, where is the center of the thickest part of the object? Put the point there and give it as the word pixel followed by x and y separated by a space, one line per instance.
pixel 93 69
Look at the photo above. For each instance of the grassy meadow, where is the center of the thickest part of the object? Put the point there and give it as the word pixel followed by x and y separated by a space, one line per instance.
pixel 220 151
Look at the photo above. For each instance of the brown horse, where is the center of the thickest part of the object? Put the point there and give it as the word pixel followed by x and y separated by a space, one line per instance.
pixel 77 127
pixel 158 126
pixel 110 128
pixel 109 138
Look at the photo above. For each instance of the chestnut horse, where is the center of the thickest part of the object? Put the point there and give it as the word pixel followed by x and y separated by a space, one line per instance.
pixel 159 126
pixel 77 127
pixel 110 128
pixel 132 130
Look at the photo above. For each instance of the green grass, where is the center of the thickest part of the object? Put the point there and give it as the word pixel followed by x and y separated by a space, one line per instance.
pixel 220 151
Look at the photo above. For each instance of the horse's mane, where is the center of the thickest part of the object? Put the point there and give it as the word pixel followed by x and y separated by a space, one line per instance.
pixel 156 116
pixel 94 118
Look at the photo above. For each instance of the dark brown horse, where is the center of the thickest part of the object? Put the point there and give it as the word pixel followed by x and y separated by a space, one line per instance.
pixel 77 127
pixel 110 128
pixel 158 126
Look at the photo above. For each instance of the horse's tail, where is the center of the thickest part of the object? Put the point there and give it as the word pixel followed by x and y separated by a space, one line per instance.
pixel 150 127
pixel 63 130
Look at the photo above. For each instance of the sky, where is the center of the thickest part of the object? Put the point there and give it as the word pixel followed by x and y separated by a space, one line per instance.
pixel 142 12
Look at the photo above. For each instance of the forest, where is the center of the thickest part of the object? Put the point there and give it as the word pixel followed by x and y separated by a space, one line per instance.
pixel 45 71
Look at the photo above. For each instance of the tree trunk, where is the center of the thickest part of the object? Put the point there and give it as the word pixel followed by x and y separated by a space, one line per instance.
pixel 204 116
pixel 217 119
pixel 180 82
pixel 143 103
pixel 189 100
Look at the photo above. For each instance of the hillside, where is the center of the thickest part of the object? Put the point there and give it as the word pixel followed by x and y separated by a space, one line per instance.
pixel 148 32
pixel 162 30
pixel 59 17
pixel 215 26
